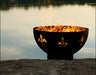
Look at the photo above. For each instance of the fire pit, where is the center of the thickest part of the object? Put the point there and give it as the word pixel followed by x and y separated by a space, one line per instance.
pixel 60 42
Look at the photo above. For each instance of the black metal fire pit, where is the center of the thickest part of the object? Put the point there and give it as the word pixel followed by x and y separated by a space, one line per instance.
pixel 60 44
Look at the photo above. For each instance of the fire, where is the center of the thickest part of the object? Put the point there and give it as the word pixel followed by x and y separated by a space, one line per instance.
pixel 60 28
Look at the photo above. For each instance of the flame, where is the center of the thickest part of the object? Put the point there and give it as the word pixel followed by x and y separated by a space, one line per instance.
pixel 60 28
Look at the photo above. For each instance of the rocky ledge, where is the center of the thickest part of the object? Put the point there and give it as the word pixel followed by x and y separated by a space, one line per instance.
pixel 48 67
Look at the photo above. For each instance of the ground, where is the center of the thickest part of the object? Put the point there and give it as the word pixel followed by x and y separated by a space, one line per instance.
pixel 48 67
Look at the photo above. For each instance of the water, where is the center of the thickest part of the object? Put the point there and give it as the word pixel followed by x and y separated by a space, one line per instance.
pixel 18 20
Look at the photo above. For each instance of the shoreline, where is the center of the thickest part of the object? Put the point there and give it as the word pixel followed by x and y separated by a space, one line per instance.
pixel 85 66
pixel 46 59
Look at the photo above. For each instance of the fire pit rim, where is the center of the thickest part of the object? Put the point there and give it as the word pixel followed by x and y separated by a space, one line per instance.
pixel 87 29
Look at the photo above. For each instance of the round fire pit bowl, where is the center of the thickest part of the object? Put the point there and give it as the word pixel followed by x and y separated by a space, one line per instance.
pixel 60 42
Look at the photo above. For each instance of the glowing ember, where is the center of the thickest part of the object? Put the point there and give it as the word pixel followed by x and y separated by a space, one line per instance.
pixel 60 28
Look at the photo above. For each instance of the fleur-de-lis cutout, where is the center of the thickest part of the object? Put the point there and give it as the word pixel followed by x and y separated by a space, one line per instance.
pixel 62 43
pixel 81 40
pixel 42 40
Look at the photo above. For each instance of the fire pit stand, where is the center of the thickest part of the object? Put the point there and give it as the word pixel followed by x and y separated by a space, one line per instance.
pixel 60 57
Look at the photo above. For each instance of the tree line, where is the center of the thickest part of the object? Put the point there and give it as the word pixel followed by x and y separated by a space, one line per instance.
pixel 7 4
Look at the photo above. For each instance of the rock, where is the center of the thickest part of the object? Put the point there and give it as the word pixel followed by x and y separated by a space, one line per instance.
pixel 48 67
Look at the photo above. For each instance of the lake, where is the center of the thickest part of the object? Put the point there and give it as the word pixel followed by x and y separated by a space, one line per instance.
pixel 18 18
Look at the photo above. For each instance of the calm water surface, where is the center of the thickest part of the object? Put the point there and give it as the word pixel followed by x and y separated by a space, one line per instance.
pixel 17 40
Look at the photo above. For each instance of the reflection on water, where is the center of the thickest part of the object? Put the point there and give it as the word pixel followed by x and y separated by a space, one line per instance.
pixel 17 40
pixel 7 4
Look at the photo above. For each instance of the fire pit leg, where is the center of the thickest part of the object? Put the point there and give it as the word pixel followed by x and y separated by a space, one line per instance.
pixel 60 57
